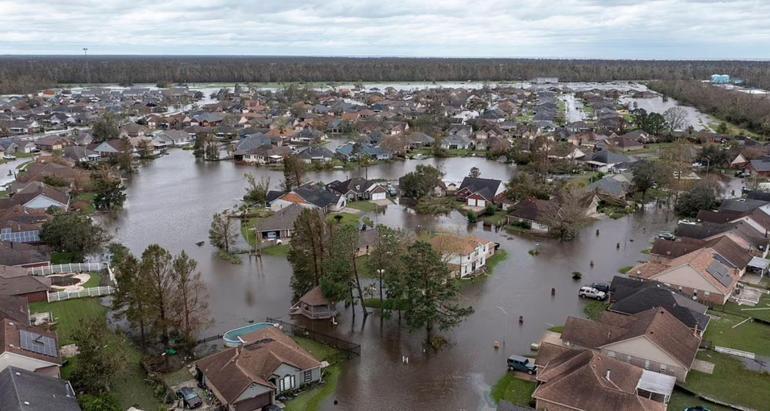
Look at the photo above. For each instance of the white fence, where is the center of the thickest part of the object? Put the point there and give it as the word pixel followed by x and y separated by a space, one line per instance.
pixel 67 268
pixel 86 292
pixel 731 351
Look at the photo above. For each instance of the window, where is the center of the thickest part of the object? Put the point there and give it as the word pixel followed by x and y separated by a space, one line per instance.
pixel 286 383
pixel 307 376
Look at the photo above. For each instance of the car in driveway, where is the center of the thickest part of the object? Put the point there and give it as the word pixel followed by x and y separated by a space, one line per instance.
pixel 593 293
pixel 189 397
pixel 666 235
pixel 522 364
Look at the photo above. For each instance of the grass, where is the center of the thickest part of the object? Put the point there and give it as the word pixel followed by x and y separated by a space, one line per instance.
pixel 750 336
pixel 731 382
pixel 311 399
pixel 68 314
pixel 681 400
pixel 557 329
pixel 177 377
pixel 3 194
pixel 747 311
pixel 276 250
pixel 594 309
pixel 436 205
pixel 347 218
pixel 365 206
pixel 88 198
pixel 511 389
pixel 624 270
pixel 60 257
pixel 131 389
pixel 94 281
pixel 492 262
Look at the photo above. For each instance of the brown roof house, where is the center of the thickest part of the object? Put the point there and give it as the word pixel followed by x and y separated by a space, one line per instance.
pixel 654 340
pixel 15 281
pixel 37 195
pixel 703 274
pixel 465 256
pixel 248 377
pixel 30 348
pixel 314 305
pixel 533 213
pixel 586 380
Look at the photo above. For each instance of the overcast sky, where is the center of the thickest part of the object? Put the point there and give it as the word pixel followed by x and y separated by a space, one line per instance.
pixel 678 29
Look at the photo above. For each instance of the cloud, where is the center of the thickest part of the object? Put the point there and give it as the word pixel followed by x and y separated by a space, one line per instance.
pixel 450 28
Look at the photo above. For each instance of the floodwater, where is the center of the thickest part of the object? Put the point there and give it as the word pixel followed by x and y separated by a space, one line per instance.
pixel 171 200
pixel 694 118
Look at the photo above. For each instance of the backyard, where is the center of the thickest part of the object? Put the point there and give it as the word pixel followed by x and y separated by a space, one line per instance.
pixel 131 389
pixel 731 382
pixel 311 399
pixel 514 390
pixel 749 336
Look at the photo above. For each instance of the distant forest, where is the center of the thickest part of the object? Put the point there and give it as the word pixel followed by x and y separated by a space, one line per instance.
pixel 21 74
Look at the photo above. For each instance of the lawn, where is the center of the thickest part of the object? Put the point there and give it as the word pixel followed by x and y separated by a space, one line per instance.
pixel 492 262
pixel 365 206
pixel 131 390
pixel 68 314
pixel 594 309
pixel 511 389
pixel 750 336
pixel 625 269
pixel 681 400
pixel 347 218
pixel 276 250
pixel 761 310
pixel 94 281
pixel 731 382
pixel 89 198
pixel 557 329
pixel 499 218
pixel 311 399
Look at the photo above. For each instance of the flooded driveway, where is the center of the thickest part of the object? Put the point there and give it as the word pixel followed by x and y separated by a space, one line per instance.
pixel 171 201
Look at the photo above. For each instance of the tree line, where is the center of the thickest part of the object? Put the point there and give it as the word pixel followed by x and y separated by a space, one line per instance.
pixel 21 74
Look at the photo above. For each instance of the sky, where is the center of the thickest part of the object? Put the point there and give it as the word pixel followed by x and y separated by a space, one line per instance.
pixel 607 29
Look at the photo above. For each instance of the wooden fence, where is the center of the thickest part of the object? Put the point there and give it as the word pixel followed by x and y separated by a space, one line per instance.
pixel 348 347
pixel 85 293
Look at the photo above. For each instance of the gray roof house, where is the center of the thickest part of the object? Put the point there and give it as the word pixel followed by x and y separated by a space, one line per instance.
pixel 22 390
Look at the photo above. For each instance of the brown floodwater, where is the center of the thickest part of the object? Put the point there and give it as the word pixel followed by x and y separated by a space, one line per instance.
pixel 171 201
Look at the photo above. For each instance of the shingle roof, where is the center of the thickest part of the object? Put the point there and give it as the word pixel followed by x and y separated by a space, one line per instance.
pixel 486 187
pixel 22 390
pixel 650 295
pixel 283 219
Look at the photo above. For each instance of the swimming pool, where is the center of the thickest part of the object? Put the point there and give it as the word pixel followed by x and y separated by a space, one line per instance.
pixel 233 337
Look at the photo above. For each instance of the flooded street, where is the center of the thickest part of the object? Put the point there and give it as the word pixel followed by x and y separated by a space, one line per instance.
pixel 171 201
pixel 694 118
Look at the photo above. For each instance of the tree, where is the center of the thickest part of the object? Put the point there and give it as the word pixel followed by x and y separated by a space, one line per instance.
pixel 100 359
pixel 676 117
pixel 430 292
pixel 256 192
pixel 678 156
pixel 523 185
pixel 103 402
pixel 211 151
pixel 649 174
pixel 421 182
pixel 199 146
pixel 307 251
pixel 713 156
pixel 567 214
pixel 722 128
pixel 703 196
pixel 132 297
pixel 340 265
pixel 221 233
pixel 110 191
pixel 106 128
pixel 293 172
pixel 386 259
pixel 156 268
pixel 73 233
pixel 474 173
pixel 653 123
pixel 191 298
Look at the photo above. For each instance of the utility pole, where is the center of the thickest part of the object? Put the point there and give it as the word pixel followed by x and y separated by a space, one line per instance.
pixel 85 58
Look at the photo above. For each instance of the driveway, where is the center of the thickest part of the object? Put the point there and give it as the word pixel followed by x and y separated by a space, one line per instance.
pixel 209 403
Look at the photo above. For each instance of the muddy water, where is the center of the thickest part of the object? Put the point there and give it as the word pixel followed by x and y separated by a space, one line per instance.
pixel 170 202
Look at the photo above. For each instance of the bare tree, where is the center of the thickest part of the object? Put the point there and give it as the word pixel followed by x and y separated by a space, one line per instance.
pixel 676 117
pixel 222 234
pixel 191 302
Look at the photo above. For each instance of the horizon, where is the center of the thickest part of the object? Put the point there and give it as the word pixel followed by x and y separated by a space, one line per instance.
pixel 577 29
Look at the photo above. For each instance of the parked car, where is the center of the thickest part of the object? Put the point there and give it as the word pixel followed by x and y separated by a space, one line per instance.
pixel 523 364
pixel 590 292
pixel 742 174
pixel 189 397
pixel 603 287
pixel 666 235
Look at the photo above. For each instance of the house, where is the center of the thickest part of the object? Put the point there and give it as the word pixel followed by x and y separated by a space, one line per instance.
pixel 314 305
pixel 80 154
pixel 37 195
pixel 314 154
pixel 702 274
pixel 23 255
pixel 358 189
pixel 603 160
pixel 248 378
pixel 30 348
pixel 585 380
pixel 465 255
pixel 456 142
pixel 419 140
pixel 533 213
pixel 759 166
pixel 613 187
pixel 625 143
pixel 654 340
pixel 479 192
pixel 631 296
pixel 23 390
pixel 112 148
pixel 310 196
pixel 280 225
pixel 16 282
